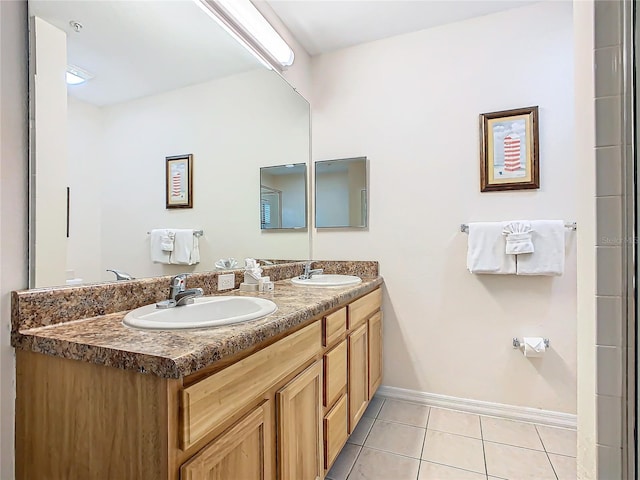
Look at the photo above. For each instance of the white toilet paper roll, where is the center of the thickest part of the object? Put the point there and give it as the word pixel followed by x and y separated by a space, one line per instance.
pixel 533 346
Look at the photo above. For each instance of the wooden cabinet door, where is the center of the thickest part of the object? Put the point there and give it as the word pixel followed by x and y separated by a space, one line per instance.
pixel 358 390
pixel 300 441
pixel 375 353
pixel 243 451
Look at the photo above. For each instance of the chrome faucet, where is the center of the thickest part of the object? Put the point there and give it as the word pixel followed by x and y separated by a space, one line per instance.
pixel 308 272
pixel 120 275
pixel 178 293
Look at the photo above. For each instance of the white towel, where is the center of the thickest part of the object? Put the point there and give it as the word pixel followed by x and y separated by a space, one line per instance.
pixel 548 258
pixel 518 235
pixel 167 240
pixel 486 249
pixel 186 249
pixel 158 255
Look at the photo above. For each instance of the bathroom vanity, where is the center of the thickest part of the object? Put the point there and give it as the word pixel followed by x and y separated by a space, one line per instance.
pixel 271 398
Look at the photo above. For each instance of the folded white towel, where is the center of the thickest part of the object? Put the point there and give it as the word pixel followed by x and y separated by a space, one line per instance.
pixel 518 235
pixel 186 249
pixel 548 258
pixel 167 240
pixel 486 249
pixel 158 254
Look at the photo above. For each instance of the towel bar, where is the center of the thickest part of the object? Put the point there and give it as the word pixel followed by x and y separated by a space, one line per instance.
pixel 516 343
pixel 197 233
pixel 464 227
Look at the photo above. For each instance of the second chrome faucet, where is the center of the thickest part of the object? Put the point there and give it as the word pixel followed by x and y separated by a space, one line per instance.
pixel 179 295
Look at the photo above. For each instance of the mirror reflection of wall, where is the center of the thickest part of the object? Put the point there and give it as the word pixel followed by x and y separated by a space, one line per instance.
pixel 283 197
pixel 341 193
pixel 151 96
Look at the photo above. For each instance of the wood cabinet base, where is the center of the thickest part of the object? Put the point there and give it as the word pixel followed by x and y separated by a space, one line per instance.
pixel 283 410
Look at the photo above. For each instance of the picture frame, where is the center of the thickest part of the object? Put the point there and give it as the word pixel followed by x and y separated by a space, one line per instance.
pixel 509 150
pixel 179 181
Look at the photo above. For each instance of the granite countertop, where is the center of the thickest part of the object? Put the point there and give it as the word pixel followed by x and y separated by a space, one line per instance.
pixel 106 341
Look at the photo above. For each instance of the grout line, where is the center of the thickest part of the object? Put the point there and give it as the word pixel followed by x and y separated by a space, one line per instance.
pixel 516 446
pixel 364 440
pixel 424 441
pixel 546 453
pixel 395 421
pixel 393 453
pixel 354 462
pixel 456 468
pixel 484 454
pixel 449 433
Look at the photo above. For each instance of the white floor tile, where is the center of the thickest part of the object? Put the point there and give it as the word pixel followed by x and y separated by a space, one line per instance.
pixel 434 471
pixel 562 441
pixel 404 412
pixel 515 463
pixel 512 433
pixel 454 451
pixel 451 421
pixel 377 465
pixel 396 438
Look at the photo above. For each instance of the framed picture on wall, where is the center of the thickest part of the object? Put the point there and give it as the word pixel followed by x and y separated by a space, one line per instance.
pixel 509 150
pixel 179 181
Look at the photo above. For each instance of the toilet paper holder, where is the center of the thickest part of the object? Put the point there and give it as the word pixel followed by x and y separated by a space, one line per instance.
pixel 517 344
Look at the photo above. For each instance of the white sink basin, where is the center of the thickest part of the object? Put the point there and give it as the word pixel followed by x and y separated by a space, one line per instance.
pixel 329 280
pixel 204 312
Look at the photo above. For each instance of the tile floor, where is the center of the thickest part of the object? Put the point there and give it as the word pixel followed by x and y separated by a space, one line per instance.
pixel 398 440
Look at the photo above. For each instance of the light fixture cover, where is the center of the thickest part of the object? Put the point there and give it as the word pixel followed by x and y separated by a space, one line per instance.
pixel 254 29
pixel 76 75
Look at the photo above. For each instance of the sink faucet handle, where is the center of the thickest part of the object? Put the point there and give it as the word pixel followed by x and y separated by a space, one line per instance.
pixel 180 278
pixel 178 284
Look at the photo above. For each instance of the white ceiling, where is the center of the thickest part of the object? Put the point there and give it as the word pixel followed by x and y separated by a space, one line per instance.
pixel 323 26
pixel 139 48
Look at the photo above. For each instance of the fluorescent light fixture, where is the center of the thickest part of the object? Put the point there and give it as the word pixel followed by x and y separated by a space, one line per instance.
pixel 76 75
pixel 246 24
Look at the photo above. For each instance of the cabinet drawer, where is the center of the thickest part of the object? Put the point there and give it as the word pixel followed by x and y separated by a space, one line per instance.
pixel 208 403
pixel 362 308
pixel 335 431
pixel 335 373
pixel 333 326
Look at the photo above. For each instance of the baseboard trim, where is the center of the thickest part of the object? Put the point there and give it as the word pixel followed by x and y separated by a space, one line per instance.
pixel 511 412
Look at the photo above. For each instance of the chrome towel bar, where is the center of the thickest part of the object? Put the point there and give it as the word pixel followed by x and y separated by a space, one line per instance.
pixel 197 233
pixel 464 227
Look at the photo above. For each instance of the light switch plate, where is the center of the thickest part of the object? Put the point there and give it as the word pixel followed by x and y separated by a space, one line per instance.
pixel 226 281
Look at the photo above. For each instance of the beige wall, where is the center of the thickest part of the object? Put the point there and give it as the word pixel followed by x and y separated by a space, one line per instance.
pixel 410 104
pixel 232 126
pixel 13 204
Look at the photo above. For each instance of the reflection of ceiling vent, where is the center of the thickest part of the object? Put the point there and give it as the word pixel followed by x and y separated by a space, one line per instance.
pixel 76 75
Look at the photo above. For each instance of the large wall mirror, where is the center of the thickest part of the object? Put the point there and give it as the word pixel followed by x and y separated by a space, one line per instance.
pixel 283 197
pixel 164 80
pixel 342 193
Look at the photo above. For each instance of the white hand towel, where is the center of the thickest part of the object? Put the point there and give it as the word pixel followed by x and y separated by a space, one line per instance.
pixel 158 254
pixel 548 258
pixel 167 240
pixel 186 249
pixel 518 235
pixel 486 247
